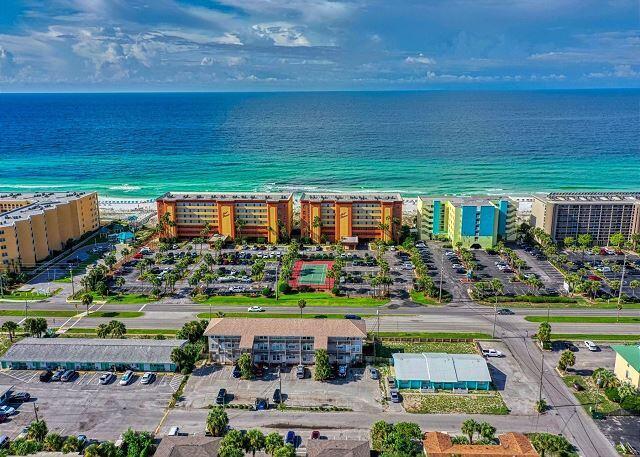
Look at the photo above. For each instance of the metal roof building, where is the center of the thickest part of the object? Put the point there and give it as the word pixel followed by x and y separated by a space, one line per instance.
pixel 441 371
pixel 91 354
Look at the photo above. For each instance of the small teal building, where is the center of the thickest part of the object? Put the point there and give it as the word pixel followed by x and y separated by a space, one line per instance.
pixel 89 354
pixel 429 370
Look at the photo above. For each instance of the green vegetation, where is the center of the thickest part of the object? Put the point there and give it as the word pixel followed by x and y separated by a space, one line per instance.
pixel 26 295
pixel 585 319
pixel 591 395
pixel 387 348
pixel 130 299
pixel 270 315
pixel 548 444
pixel 323 369
pixel 423 299
pixel 311 299
pixel 444 403
pixel 436 335
pixel 401 438
pixel 593 337
pixel 38 313
pixel 130 331
pixel 81 268
pixel 116 314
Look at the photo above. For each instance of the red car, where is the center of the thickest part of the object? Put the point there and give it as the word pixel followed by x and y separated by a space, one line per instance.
pixel 137 255
pixel 315 435
pixel 3 417
pixel 594 278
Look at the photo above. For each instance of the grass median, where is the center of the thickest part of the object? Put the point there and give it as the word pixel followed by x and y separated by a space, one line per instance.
pixel 116 314
pixel 585 319
pixel 38 313
pixel 130 331
pixel 276 315
pixel 311 298
pixel 605 337
pixel 437 335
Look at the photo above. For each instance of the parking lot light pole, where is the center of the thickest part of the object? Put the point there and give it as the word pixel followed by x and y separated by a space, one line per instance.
pixel 624 267
pixel 276 284
pixel 441 272
pixel 73 292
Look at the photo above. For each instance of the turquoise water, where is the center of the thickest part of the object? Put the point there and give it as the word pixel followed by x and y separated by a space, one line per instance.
pixel 141 145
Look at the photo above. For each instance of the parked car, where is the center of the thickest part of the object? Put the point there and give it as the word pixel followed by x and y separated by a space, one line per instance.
pixel 342 371
pixel 277 396
pixel 375 374
pixel 505 311
pixel 174 431
pixel 126 378
pixel 236 373
pixel 68 375
pixel 315 435
pixel 394 395
pixel 352 316
pixel 570 346
pixel 45 376
pixel 3 417
pixel 57 375
pixel 593 347
pixel 19 397
pixel 82 441
pixel 221 397
pixel 23 433
pixel 255 309
pixel 4 440
pixel 258 371
pixel 577 386
pixel 290 438
pixel 391 382
pixel 148 378
pixel 300 372
pixel 492 353
pixel 261 404
pixel 7 410
pixel 106 378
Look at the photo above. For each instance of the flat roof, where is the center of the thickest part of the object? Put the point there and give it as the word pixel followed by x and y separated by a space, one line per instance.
pixel 440 367
pixel 347 197
pixel 35 203
pixel 225 196
pixel 474 200
pixel 590 197
pixel 105 350
pixel 320 329
pixel 629 352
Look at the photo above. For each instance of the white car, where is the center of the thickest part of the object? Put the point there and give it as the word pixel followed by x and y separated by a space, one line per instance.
pixel 7 410
pixel 126 378
pixel 106 378
pixel 492 353
pixel 593 347
pixel 255 309
pixel 147 378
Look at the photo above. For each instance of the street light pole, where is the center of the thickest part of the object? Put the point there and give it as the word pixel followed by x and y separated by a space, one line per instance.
pixel 441 273
pixel 73 292
pixel 624 268
pixel 276 285
pixel 541 376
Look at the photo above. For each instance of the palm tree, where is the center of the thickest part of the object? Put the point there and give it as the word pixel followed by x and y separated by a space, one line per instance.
pixel 469 428
pixel 634 285
pixel 255 441
pixel 217 421
pixel 605 378
pixel 37 431
pixel 302 305
pixel 87 300
pixel 117 329
pixel 10 327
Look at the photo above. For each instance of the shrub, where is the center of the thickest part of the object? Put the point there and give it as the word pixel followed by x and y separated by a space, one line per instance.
pixel 284 288
pixel 631 403
pixel 612 394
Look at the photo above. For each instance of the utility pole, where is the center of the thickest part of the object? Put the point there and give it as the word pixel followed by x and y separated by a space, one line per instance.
pixel 276 285
pixel 35 410
pixel 1 285
pixel 73 291
pixel 541 376
pixel 26 307
pixel 441 273
pixel 495 317
pixel 624 268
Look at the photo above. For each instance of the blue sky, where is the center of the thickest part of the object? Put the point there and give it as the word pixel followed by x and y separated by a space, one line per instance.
pixel 103 45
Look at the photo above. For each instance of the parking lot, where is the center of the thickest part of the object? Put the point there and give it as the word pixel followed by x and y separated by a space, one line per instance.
pixel 357 392
pixel 84 406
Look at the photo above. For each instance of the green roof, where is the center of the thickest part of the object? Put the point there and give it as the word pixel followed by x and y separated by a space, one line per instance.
pixel 631 353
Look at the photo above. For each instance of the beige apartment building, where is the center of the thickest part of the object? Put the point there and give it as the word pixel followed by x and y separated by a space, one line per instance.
pixel 35 225
pixel 600 214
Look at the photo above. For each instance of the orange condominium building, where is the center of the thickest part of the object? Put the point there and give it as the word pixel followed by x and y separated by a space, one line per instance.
pixel 342 217
pixel 34 226
pixel 267 216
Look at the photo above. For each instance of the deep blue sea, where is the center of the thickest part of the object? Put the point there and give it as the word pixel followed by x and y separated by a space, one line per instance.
pixel 141 145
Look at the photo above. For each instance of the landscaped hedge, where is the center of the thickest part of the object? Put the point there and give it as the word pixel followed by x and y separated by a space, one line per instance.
pixel 612 394
pixel 533 299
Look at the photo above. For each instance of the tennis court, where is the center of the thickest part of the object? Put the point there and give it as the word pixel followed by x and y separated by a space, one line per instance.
pixel 312 273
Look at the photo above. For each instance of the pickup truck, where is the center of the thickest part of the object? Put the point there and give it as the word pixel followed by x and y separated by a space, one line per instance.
pixel 492 353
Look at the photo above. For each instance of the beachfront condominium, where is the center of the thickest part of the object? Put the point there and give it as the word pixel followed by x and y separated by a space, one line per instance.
pixel 472 221
pixel 33 226
pixel 258 216
pixel 350 217
pixel 600 214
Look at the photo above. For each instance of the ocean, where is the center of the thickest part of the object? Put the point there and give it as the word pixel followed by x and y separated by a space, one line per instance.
pixel 144 144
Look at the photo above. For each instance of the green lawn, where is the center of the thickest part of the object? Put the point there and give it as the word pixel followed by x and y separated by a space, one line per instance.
pixel 575 302
pixel 312 299
pixel 117 314
pixel 38 313
pixel 594 337
pixel 26 295
pixel 420 297
pixel 387 348
pixel 444 403
pixel 281 315
pixel 591 395
pixel 585 319
pixel 436 335
pixel 130 331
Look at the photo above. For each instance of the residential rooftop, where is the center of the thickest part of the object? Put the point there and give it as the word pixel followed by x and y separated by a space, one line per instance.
pixel 348 197
pixel 338 448
pixel 439 367
pixel 438 444
pixel 102 350
pixel 188 446
pixel 34 203
pixel 320 329
pixel 591 197
pixel 225 196
pixel 629 352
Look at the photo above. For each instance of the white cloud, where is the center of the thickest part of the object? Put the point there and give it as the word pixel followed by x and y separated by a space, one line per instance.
pixel 228 38
pixel 281 33
pixel 8 64
pixel 420 59
pixel 619 71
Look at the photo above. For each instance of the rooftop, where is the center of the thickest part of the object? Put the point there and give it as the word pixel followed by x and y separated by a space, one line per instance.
pixel 225 196
pixel 188 446
pixel 319 329
pixel 477 200
pixel 351 197
pixel 591 197
pixel 438 367
pixel 438 444
pixel 92 350
pixel 629 352
pixel 34 203
pixel 338 448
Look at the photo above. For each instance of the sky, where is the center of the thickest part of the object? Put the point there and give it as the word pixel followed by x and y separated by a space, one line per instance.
pixel 263 45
